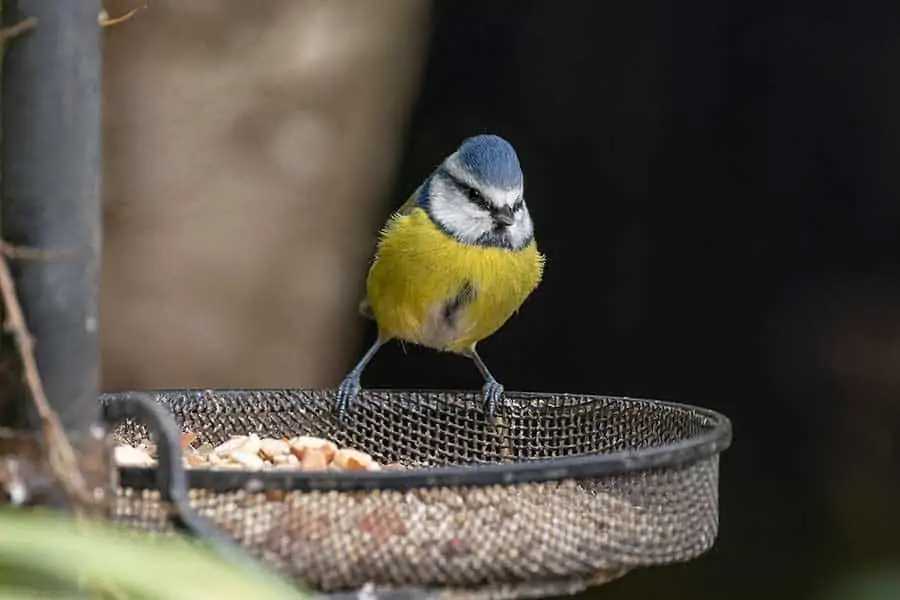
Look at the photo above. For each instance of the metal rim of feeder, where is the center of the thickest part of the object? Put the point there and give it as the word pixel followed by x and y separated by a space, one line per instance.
pixel 715 439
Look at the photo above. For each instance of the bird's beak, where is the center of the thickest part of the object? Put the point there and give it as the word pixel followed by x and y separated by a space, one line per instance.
pixel 504 216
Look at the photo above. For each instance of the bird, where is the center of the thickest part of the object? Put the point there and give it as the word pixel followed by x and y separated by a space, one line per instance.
pixel 453 263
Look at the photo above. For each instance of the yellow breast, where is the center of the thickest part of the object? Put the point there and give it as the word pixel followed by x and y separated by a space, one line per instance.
pixel 426 288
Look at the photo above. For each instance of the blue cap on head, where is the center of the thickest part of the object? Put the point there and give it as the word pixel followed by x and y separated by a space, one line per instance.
pixel 491 160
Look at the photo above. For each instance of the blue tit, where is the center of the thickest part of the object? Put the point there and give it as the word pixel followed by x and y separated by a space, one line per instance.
pixel 455 262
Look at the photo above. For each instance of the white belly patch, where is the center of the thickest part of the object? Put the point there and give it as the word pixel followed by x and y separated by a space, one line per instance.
pixel 438 332
pixel 447 322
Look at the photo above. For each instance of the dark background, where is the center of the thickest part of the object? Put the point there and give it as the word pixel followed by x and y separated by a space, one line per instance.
pixel 716 188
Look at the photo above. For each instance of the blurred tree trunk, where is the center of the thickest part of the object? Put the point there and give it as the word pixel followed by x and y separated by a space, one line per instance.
pixel 248 146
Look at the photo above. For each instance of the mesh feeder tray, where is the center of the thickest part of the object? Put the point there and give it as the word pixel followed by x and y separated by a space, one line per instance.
pixel 557 493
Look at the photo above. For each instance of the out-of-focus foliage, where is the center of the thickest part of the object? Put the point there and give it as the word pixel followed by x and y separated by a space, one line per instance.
pixel 45 555
pixel 872 585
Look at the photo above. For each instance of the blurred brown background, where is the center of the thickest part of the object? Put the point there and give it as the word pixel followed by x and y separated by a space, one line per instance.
pixel 715 186
pixel 247 146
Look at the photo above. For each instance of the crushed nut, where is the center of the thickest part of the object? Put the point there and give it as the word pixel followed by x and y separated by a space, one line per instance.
pixel 251 452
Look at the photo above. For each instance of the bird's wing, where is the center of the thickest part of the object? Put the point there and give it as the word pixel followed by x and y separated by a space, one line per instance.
pixel 410 203
pixel 365 309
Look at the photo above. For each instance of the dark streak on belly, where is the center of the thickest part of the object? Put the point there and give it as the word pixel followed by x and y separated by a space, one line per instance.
pixel 464 296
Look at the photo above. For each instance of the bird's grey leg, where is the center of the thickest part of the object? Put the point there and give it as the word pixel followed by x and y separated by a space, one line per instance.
pixel 349 387
pixel 493 389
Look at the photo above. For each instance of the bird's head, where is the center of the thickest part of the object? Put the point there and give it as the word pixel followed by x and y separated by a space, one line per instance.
pixel 476 195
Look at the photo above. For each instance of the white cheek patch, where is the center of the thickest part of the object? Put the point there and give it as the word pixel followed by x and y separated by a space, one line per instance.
pixel 456 214
pixel 522 230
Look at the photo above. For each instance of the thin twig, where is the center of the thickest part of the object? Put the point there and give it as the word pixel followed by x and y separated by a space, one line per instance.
pixel 7 33
pixel 107 21
pixel 26 253
pixel 60 455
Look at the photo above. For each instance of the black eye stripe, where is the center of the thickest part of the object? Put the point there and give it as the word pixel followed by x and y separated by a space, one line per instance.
pixel 476 198
pixel 472 194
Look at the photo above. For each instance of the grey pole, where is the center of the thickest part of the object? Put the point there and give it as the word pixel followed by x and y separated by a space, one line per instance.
pixel 50 202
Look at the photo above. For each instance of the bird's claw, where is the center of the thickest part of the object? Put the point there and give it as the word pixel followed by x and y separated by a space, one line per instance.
pixel 492 392
pixel 347 392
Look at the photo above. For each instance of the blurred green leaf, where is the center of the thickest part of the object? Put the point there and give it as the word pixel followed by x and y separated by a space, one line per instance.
pixel 883 584
pixel 46 555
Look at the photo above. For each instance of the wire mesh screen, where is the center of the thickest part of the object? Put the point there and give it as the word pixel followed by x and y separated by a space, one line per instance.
pixel 592 520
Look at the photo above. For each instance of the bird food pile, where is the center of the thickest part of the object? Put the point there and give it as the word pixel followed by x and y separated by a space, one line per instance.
pixel 253 453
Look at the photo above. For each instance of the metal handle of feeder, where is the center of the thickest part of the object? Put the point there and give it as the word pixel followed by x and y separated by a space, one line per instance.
pixel 171 478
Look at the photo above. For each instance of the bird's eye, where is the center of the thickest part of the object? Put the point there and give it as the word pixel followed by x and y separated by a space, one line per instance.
pixel 476 198
pixel 519 204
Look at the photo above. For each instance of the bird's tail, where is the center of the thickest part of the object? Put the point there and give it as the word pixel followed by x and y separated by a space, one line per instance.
pixel 365 309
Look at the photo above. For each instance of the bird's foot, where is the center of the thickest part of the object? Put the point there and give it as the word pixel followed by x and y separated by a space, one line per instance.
pixel 347 392
pixel 492 392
